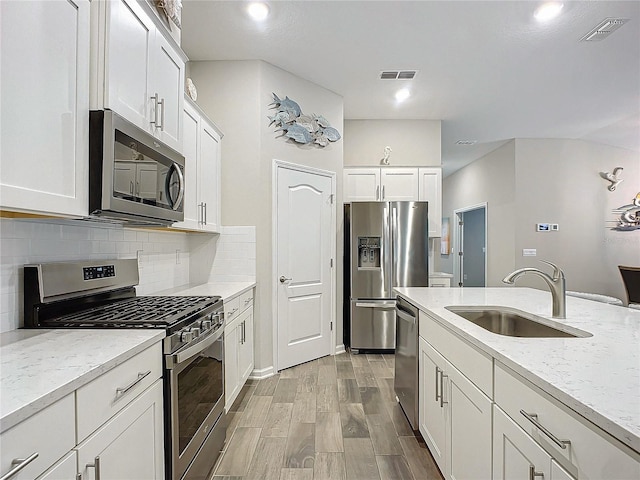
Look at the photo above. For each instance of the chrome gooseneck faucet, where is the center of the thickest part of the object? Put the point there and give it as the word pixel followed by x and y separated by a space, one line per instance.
pixel 556 285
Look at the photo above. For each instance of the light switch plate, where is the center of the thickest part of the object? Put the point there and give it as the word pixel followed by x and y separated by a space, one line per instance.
pixel 529 252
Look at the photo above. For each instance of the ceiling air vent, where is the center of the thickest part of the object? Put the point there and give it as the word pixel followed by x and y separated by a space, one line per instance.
pixel 604 29
pixel 397 74
pixel 466 142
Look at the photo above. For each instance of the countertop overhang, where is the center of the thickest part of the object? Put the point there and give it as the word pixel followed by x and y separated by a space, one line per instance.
pixel 598 377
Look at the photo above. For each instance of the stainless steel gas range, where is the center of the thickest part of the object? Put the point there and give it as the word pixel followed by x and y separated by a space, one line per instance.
pixel 101 294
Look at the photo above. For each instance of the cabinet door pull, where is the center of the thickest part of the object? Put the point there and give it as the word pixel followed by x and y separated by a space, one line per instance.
pixel 378 192
pixel 204 205
pixel 155 110
pixel 533 418
pixel 533 474
pixel 121 391
pixel 438 371
pixel 161 102
pixel 383 192
pixel 131 186
pixel 18 464
pixel 442 377
pixel 96 465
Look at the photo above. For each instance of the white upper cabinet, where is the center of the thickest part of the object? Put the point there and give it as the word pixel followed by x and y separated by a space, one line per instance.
pixel 399 184
pixel 44 106
pixel 202 172
pixel 431 191
pixel 137 72
pixel 380 184
pixel 361 185
pixel 386 184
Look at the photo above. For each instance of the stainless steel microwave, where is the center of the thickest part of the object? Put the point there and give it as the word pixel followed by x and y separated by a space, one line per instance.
pixel 133 177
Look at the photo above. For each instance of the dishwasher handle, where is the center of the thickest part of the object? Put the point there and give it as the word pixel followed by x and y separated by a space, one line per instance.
pixel 407 317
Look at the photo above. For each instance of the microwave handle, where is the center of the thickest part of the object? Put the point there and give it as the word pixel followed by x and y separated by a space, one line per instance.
pixel 178 201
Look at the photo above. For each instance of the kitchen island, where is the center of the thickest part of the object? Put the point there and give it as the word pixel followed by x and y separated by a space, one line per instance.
pixel 596 377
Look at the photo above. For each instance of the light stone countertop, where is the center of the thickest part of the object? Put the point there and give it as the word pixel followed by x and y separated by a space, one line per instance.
pixel 440 275
pixel 39 367
pixel 598 377
pixel 227 290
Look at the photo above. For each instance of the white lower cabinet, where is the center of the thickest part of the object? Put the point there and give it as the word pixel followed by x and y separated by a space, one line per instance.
pixel 454 417
pixel 238 345
pixel 516 456
pixel 110 428
pixel 129 445
pixel 64 469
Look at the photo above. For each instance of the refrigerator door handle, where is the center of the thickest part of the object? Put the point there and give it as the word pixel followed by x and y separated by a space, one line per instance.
pixel 385 305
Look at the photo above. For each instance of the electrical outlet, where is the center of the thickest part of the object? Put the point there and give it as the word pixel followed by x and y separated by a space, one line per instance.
pixel 529 252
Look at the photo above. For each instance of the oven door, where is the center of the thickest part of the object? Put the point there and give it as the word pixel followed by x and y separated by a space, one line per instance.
pixel 195 382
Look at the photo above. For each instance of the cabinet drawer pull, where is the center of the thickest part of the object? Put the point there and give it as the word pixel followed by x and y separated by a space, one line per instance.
pixel 533 474
pixel 533 418
pixel 246 302
pixel 121 391
pixel 96 465
pixel 18 464
pixel 438 371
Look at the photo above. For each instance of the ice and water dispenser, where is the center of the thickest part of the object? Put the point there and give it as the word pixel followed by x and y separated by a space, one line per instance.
pixel 368 253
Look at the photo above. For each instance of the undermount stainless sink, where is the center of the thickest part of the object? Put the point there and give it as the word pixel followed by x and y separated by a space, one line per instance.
pixel 514 323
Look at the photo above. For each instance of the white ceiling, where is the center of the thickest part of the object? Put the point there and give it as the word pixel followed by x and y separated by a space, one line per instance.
pixel 487 69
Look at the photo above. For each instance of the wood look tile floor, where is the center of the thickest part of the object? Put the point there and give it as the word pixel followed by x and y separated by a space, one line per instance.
pixel 335 418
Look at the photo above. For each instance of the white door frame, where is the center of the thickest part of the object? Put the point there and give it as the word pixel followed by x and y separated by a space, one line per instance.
pixel 274 248
pixel 457 240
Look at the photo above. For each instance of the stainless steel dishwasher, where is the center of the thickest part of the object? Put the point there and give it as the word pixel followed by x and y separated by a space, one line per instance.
pixel 406 363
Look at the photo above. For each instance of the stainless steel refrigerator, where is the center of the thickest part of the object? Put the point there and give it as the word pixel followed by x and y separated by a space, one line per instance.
pixel 387 247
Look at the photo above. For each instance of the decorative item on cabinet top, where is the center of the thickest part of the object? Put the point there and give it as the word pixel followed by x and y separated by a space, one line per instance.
pixel 191 89
pixel 299 127
pixel 170 9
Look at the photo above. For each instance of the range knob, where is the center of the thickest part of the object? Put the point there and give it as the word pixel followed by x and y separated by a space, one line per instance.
pixel 195 331
pixel 186 336
pixel 205 325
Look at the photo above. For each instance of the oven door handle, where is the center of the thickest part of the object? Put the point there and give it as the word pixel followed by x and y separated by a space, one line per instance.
pixel 185 354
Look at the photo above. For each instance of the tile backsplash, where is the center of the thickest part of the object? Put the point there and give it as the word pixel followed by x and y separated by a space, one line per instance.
pixel 163 257
pixel 235 256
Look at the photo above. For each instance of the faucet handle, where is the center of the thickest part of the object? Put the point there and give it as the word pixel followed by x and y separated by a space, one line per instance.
pixel 557 272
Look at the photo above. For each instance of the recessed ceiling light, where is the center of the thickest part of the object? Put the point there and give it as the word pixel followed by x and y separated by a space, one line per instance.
pixel 402 94
pixel 547 11
pixel 259 11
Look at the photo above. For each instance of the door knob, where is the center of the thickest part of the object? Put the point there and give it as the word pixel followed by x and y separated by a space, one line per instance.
pixel 283 279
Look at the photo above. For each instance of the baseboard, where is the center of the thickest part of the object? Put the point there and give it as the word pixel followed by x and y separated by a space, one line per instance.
pixel 340 349
pixel 259 374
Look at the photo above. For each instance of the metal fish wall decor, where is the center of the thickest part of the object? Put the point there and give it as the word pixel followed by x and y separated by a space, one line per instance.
pixel 628 216
pixel 299 127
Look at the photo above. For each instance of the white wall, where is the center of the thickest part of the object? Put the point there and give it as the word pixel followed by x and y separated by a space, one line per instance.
pixel 529 181
pixel 163 256
pixel 558 181
pixel 490 179
pixel 413 142
pixel 236 96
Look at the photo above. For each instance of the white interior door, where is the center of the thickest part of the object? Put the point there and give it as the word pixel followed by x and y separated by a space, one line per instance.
pixel 304 236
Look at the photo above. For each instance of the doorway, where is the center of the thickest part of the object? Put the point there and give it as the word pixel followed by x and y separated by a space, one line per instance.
pixel 471 246
pixel 303 263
